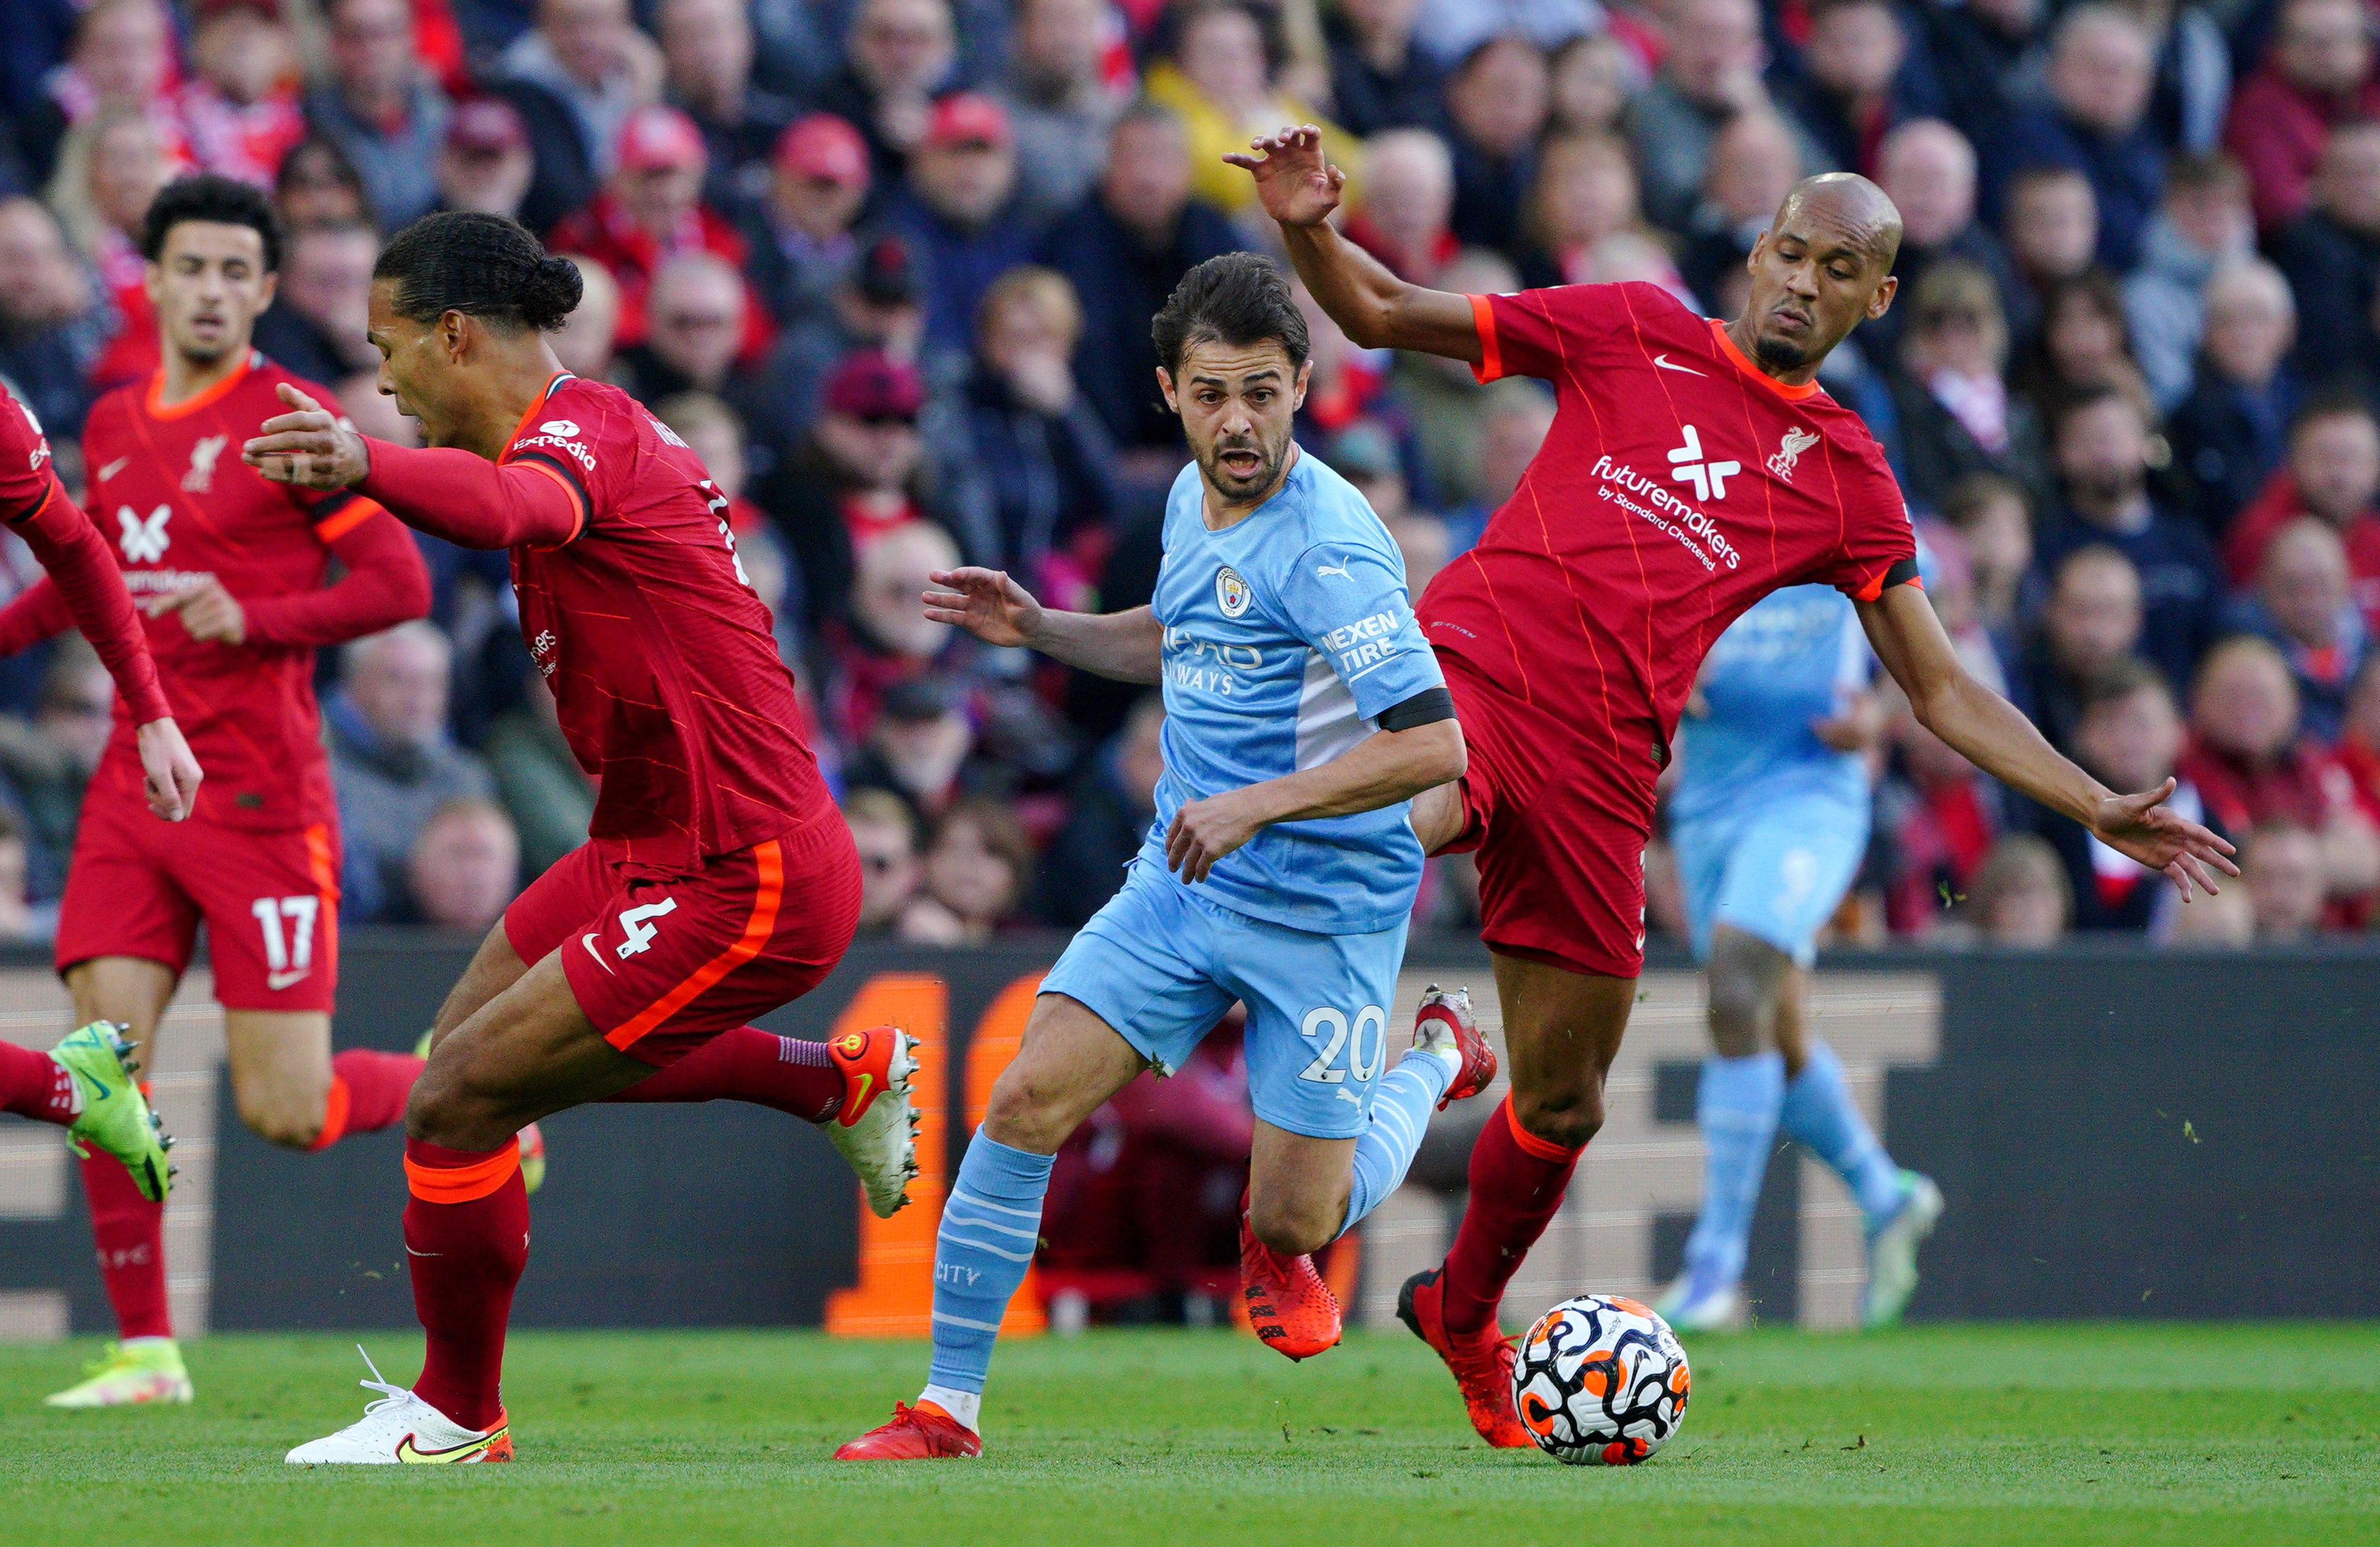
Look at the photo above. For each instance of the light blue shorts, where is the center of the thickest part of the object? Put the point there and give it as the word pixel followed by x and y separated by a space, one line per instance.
pixel 1774 869
pixel 1161 964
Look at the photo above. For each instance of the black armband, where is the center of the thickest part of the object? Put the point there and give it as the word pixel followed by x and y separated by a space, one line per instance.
pixel 1901 573
pixel 1427 707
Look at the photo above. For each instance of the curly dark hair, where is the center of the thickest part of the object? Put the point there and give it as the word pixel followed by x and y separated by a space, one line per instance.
pixel 1238 298
pixel 217 201
pixel 483 265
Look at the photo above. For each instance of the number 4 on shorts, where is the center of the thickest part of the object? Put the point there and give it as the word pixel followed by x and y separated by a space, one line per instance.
pixel 637 935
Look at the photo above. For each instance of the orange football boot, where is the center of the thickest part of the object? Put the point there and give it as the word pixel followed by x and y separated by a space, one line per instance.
pixel 1481 1362
pixel 1289 1305
pixel 924 1432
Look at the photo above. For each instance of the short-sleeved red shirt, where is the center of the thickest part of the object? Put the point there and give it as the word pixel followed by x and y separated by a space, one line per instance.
pixel 661 657
pixel 1678 487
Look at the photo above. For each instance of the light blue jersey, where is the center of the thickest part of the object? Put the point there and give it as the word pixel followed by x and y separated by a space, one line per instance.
pixel 1769 823
pixel 1286 635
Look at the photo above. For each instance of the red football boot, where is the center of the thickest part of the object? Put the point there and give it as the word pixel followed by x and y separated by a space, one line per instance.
pixel 1481 1362
pixel 1289 1305
pixel 1445 1019
pixel 921 1433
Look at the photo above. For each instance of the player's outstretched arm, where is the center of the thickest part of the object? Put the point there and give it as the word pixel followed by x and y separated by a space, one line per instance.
pixel 1987 731
pixel 1127 646
pixel 1380 770
pixel 1299 187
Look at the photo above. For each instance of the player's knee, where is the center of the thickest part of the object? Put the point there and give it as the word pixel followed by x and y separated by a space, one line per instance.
pixel 1024 1114
pixel 292 1119
pixel 1570 1117
pixel 1293 1226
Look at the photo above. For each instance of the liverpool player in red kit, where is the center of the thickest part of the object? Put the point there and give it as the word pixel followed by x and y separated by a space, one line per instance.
pixel 231 570
pixel 718 883
pixel 1693 468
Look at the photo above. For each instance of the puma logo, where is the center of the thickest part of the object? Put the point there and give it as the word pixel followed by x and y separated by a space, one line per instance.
pixel 1339 569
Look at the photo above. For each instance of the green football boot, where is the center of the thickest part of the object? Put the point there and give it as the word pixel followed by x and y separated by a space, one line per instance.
pixel 115 1114
pixel 144 1372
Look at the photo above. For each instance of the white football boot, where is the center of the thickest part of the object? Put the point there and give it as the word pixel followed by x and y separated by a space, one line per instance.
pixel 1691 1307
pixel 1892 1250
pixel 402 1428
pixel 876 1127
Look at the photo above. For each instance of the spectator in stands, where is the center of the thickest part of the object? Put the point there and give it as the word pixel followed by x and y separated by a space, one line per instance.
pixel 465 866
pixel 382 107
pixel 2332 474
pixel 876 309
pixel 958 214
pixel 1710 73
pixel 1408 197
pixel 241 107
pixel 2082 345
pixel 694 323
pixel 2053 232
pixel 52 327
pixel 1379 80
pixel 1448 405
pixel 2192 73
pixel 1111 805
pixel 1034 466
pixel 391 761
pixel 1124 250
pixel 2129 734
pixel 122 61
pixel 885 832
pixel 2102 70
pixel 585 344
pixel 2021 898
pixel 2357 750
pixel 1755 162
pixel 2102 453
pixel 2332 257
pixel 976 869
pixel 575 77
pixel 881 637
pixel 1509 434
pixel 1063 103
pixel 897 54
pixel 2252 765
pixel 1365 453
pixel 1591 80
pixel 1935 821
pixel 319 185
pixel 1221 77
pixel 21 920
pixel 2304 605
pixel 2091 625
pixel 1991 515
pixel 920 747
pixel 48 765
pixel 652 210
pixel 707 52
pixel 2232 429
pixel 1957 417
pixel 2204 225
pixel 1928 170
pixel 2282 864
pixel 804 249
pixel 538 778
pixel 483 159
pixel 1496 106
pixel 2316 74
pixel 319 316
pixel 1853 88
pixel 1989 55
pixel 110 167
pixel 1585 190
pixel 854 478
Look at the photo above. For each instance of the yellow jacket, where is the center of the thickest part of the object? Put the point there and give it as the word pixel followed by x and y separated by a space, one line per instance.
pixel 1211 133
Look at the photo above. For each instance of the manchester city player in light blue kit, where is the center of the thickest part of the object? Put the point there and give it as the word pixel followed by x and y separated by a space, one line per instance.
pixel 1303 712
pixel 1770 819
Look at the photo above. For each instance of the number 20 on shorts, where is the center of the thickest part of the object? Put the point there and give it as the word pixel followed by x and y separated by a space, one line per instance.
pixel 1364 1043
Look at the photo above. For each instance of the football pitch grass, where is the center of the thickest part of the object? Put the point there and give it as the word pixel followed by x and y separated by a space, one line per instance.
pixel 2243 1433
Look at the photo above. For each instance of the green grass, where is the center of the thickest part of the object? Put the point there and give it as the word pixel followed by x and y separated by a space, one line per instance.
pixel 2051 1434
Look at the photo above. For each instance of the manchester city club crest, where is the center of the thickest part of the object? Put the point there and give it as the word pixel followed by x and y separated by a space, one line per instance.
pixel 1231 592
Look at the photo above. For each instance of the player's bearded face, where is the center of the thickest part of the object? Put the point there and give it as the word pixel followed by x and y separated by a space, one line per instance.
pixel 410 366
pixel 1239 406
pixel 208 285
pixel 1811 285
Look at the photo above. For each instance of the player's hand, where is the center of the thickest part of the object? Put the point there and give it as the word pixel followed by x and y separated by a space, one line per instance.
pixel 1854 727
pixel 1295 183
pixel 1204 831
pixel 310 446
pixel 2141 826
pixel 171 773
pixel 208 611
pixel 987 604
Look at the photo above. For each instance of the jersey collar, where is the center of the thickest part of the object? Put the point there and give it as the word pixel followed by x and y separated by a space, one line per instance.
pixel 1736 356
pixel 531 412
pixel 160 409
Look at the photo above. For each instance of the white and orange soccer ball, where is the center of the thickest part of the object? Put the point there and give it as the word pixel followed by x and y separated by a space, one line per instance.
pixel 1601 1381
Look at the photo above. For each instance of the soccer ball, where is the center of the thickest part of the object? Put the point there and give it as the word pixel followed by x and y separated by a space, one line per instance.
pixel 1601 1381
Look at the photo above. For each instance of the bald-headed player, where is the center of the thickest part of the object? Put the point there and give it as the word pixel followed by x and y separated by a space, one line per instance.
pixel 1693 468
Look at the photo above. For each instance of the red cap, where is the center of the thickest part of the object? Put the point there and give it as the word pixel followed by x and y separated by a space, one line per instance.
pixel 823 146
pixel 967 119
pixel 485 125
pixel 871 385
pixel 657 138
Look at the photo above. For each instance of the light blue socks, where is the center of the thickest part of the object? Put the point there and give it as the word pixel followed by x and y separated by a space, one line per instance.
pixel 1401 1106
pixel 1736 1109
pixel 1820 1113
pixel 990 1225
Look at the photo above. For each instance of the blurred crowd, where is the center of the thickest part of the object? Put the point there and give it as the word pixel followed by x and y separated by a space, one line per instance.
pixel 890 264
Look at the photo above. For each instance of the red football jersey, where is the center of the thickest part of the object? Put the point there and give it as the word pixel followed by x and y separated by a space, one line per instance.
pixel 169 492
pixel 1678 487
pixel 661 658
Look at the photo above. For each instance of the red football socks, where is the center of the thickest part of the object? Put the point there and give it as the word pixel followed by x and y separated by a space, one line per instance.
pixel 129 1233
pixel 749 1064
pixel 466 1242
pixel 367 1093
pixel 33 1084
pixel 1517 1180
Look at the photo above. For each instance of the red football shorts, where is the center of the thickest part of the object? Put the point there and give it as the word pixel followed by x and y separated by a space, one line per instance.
pixel 661 966
pixel 140 887
pixel 1560 821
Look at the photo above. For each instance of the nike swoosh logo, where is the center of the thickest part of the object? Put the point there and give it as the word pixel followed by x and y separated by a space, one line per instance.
pixel 859 1100
pixel 96 1085
pixel 1666 364
pixel 405 1451
pixel 279 980
pixel 113 469
pixel 587 940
